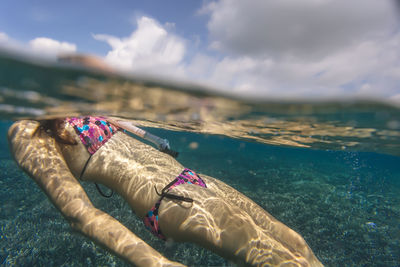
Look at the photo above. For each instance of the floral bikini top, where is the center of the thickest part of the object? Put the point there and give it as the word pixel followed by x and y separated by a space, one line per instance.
pixel 93 131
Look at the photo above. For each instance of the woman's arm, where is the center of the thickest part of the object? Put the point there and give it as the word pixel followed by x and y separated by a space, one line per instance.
pixel 37 154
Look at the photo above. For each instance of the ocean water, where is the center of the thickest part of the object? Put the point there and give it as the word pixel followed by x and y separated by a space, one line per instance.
pixel 329 170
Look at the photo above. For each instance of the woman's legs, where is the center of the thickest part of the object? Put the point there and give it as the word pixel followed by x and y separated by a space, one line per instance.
pixel 266 222
pixel 225 228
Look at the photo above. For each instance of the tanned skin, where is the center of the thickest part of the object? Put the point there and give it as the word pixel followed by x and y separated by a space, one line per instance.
pixel 220 218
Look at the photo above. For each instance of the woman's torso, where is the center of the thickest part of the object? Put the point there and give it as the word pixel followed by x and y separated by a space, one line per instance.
pixel 124 164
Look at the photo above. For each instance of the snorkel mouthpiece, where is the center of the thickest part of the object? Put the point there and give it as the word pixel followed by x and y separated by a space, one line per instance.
pixel 170 152
pixel 162 144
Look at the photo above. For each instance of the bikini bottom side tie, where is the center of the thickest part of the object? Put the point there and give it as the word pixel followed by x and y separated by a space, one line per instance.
pixel 186 177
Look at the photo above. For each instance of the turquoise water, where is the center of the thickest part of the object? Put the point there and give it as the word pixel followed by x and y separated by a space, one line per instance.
pixel 327 170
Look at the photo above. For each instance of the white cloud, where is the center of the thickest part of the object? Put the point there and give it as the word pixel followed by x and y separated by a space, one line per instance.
pixel 40 47
pixel 150 48
pixel 307 28
pixel 366 69
pixel 312 48
pixel 47 46
pixel 3 37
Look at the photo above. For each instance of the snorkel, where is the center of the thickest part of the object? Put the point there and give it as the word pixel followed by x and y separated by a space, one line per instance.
pixel 162 144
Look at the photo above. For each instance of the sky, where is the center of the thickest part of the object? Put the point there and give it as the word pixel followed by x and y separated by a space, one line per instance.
pixel 307 49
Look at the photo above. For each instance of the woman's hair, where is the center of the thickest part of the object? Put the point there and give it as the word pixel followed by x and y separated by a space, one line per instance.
pixel 56 129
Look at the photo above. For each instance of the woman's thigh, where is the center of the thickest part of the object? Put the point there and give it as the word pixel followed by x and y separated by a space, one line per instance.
pixel 221 226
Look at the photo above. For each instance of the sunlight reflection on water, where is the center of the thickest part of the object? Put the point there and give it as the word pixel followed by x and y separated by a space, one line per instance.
pixel 30 89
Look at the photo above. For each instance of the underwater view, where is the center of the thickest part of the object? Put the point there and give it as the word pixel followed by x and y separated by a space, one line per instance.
pixel 328 170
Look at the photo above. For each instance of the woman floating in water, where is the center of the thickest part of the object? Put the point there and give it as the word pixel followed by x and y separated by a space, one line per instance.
pixel 175 203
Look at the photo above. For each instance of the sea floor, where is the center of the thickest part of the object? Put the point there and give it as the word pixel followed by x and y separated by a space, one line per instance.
pixel 345 204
